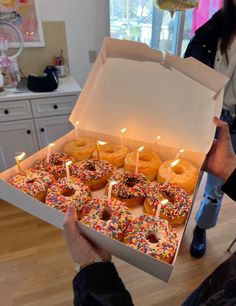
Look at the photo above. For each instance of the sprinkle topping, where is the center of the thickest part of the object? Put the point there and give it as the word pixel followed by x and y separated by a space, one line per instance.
pixel 92 169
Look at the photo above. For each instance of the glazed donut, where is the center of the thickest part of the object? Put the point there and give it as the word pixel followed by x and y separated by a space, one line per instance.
pixel 111 218
pixel 113 153
pixel 66 192
pixel 130 187
pixel 33 182
pixel 184 174
pixel 155 238
pixel 81 148
pixel 149 164
pixel 56 165
pixel 177 208
pixel 93 173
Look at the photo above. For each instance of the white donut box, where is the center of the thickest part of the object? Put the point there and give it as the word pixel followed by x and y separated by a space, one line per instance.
pixel 133 86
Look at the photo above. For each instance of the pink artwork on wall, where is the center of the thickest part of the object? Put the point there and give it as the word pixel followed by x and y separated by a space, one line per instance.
pixel 204 11
pixel 25 15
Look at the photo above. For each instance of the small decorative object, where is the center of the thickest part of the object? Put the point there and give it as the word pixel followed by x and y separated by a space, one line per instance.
pixel 68 169
pixel 137 159
pixel 172 165
pixel 49 150
pixel 18 159
pixel 122 137
pixel 176 5
pixel 24 14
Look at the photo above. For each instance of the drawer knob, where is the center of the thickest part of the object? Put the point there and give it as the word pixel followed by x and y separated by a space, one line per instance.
pixel 28 132
pixel 42 130
pixel 6 111
pixel 55 106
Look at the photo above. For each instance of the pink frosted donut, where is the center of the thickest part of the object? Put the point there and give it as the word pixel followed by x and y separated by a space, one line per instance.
pixel 33 182
pixel 56 165
pixel 155 238
pixel 64 193
pixel 111 218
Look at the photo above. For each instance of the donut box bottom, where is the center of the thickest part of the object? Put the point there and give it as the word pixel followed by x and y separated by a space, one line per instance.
pixel 25 202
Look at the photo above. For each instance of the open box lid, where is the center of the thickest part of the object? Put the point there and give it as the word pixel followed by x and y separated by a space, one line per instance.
pixel 131 86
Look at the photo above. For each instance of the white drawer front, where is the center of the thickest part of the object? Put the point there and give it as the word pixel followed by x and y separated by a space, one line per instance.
pixel 15 110
pixel 53 106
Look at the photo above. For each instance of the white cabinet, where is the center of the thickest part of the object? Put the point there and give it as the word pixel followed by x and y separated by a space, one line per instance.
pixel 16 136
pixel 29 121
pixel 50 129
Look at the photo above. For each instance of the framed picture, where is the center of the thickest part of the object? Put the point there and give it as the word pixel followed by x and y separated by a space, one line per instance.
pixel 25 15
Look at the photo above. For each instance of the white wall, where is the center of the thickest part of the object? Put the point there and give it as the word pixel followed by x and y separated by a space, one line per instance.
pixel 86 25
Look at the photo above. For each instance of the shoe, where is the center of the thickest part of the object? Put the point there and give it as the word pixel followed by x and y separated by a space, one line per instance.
pixel 198 245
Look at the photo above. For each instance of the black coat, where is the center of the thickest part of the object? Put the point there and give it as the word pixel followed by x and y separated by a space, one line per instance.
pixel 203 45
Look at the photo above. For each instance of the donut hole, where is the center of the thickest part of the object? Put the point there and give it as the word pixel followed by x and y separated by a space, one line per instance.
pixel 80 143
pixel 106 215
pixel 151 237
pixel 178 169
pixel 58 162
pixel 30 181
pixel 90 167
pixel 109 150
pixel 131 182
pixel 68 192
pixel 145 157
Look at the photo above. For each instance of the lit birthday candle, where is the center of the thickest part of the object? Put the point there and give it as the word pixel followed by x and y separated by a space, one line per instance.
pixel 155 143
pixel 68 169
pixel 179 153
pixel 137 159
pixel 162 203
pixel 99 143
pixel 122 137
pixel 173 164
pixel 77 129
pixel 111 184
pixel 49 151
pixel 18 159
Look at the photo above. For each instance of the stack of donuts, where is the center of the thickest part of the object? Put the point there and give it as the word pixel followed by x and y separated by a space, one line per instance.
pixel 165 205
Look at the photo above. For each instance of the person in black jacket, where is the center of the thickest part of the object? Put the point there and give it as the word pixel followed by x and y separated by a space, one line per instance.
pixel 97 282
pixel 214 44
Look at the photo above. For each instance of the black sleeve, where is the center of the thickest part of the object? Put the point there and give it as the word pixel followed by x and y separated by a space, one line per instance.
pixel 230 186
pixel 100 285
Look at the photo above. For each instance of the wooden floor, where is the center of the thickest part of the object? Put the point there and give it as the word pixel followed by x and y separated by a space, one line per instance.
pixel 36 269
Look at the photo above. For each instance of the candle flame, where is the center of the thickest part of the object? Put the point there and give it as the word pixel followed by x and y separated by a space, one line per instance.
pixel 158 137
pixel 163 202
pixel 68 163
pixel 77 123
pixel 123 130
pixel 20 156
pixel 174 163
pixel 140 149
pixel 112 183
pixel 101 143
pixel 181 151
pixel 51 145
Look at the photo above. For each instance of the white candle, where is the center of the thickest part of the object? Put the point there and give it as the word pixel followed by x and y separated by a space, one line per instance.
pixel 68 169
pixel 19 158
pixel 49 151
pixel 99 143
pixel 155 144
pixel 122 137
pixel 173 164
pixel 179 153
pixel 137 159
pixel 77 129
pixel 163 202
pixel 111 184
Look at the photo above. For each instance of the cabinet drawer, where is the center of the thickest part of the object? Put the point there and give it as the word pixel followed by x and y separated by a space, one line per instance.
pixel 15 110
pixel 53 106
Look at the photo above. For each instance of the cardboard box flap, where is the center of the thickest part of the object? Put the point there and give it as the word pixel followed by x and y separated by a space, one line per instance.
pixel 130 87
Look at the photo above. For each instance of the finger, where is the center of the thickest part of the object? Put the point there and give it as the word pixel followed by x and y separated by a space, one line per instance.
pixel 70 222
pixel 223 129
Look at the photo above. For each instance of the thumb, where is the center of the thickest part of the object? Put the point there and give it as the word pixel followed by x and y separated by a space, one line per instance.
pixel 70 223
pixel 223 129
